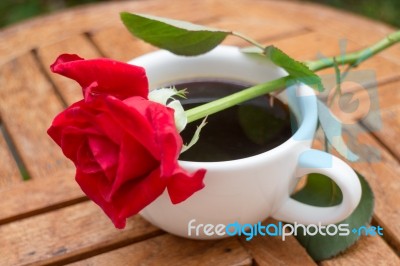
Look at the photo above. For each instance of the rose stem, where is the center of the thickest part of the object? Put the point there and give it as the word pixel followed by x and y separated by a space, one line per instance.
pixel 353 59
pixel 235 98
pixel 356 57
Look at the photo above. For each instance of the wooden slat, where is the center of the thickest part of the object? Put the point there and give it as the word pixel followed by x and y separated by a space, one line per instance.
pixel 267 250
pixel 369 249
pixel 390 130
pixel 389 95
pixel 122 46
pixel 79 44
pixel 382 172
pixel 383 177
pixel 9 171
pixel 28 104
pixel 323 19
pixel 340 23
pixel 383 96
pixel 35 196
pixel 65 234
pixel 250 26
pixel 56 187
pixel 171 250
pixel 389 114
pixel 317 44
pixel 116 42
pixel 50 29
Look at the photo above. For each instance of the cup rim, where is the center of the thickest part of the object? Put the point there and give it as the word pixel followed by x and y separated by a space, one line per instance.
pixel 306 116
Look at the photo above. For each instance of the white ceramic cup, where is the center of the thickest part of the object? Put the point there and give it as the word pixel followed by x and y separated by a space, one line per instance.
pixel 251 189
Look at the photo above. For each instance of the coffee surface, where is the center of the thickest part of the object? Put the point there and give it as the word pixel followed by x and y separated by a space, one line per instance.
pixel 244 130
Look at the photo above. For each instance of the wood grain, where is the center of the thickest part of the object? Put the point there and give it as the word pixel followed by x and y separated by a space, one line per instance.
pixel 122 46
pixel 116 42
pixel 171 250
pixel 9 171
pixel 22 38
pixel 390 131
pixel 322 19
pixel 267 250
pixel 388 115
pixel 382 173
pixel 317 45
pixel 388 95
pixel 79 44
pixel 253 27
pixel 24 199
pixel 28 105
pixel 66 233
pixel 368 249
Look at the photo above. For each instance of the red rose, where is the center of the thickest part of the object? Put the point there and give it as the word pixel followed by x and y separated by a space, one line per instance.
pixel 125 147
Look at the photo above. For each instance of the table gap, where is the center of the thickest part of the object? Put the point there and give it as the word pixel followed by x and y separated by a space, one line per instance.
pixel 389 239
pixel 89 38
pixel 24 173
pixel 43 210
pixel 370 84
pixel 285 35
pixel 104 249
pixel 380 142
pixel 42 70
pixel 280 36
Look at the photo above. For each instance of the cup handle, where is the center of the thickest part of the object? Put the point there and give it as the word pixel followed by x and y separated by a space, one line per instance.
pixel 315 161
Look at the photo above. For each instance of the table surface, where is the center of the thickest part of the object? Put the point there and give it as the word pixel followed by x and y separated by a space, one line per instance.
pixel 47 219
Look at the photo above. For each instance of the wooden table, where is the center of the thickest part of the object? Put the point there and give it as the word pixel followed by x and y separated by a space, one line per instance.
pixel 47 219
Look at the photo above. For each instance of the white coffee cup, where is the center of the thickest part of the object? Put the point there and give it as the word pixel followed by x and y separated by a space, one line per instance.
pixel 251 189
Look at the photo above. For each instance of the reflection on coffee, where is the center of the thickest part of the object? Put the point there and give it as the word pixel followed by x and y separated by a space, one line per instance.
pixel 250 128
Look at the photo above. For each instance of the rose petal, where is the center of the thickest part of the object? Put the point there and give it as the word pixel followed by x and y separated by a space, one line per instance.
pixel 105 153
pixel 85 161
pixel 64 58
pixel 112 77
pixel 134 162
pixel 125 149
pixel 131 120
pixel 182 185
pixel 166 136
pixel 136 195
pixel 131 198
pixel 93 185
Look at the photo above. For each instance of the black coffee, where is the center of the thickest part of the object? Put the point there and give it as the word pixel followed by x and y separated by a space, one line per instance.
pixel 250 128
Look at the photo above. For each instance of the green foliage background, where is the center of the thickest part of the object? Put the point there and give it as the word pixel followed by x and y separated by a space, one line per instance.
pixel 383 10
pixel 12 11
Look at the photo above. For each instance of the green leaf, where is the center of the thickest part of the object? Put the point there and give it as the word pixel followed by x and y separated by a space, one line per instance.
pixel 322 191
pixel 179 37
pixel 299 71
